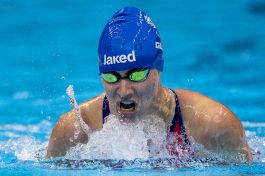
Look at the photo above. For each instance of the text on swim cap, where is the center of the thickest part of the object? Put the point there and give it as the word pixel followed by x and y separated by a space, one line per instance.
pixel 149 21
pixel 119 59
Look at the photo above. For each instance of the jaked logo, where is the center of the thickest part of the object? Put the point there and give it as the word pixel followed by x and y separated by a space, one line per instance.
pixel 119 59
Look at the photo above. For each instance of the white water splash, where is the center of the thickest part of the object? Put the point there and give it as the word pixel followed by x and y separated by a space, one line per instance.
pixel 255 141
pixel 25 148
pixel 257 145
pixel 124 140
pixel 23 141
pixel 71 94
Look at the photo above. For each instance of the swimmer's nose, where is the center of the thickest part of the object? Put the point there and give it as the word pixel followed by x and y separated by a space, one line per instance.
pixel 125 89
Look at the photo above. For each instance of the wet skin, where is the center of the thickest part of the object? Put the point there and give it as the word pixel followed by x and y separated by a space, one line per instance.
pixel 208 122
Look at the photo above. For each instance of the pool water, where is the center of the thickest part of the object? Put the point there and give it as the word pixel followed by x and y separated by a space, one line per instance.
pixel 214 47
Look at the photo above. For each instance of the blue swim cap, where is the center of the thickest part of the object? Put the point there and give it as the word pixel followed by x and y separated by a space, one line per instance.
pixel 130 40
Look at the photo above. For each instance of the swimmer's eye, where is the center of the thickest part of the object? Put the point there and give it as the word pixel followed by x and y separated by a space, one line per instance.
pixel 109 77
pixel 139 75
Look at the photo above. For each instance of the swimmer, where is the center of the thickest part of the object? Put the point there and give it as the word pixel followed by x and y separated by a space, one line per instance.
pixel 130 58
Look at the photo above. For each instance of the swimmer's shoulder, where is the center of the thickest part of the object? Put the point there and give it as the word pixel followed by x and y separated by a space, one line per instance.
pixel 190 100
pixel 191 97
pixel 192 103
pixel 212 124
pixel 91 111
pixel 201 113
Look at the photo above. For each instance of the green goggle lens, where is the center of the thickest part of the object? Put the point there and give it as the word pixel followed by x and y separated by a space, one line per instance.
pixel 138 75
pixel 110 77
pixel 133 75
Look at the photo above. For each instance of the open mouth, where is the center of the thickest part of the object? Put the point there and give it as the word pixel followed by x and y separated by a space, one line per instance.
pixel 127 104
pixel 127 108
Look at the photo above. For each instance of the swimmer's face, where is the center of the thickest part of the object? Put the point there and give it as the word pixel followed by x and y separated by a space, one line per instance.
pixel 131 99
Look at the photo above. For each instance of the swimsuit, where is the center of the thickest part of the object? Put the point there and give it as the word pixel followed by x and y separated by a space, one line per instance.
pixel 176 128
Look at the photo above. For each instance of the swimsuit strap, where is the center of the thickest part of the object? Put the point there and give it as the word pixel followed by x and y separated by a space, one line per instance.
pixel 105 108
pixel 177 124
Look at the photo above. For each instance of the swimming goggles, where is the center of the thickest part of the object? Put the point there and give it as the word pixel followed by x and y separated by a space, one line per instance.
pixel 135 75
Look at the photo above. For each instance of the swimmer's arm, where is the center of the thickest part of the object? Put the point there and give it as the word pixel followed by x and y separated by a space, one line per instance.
pixel 226 136
pixel 214 126
pixel 62 137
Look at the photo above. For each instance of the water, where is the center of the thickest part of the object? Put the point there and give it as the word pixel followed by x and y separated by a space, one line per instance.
pixel 213 47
